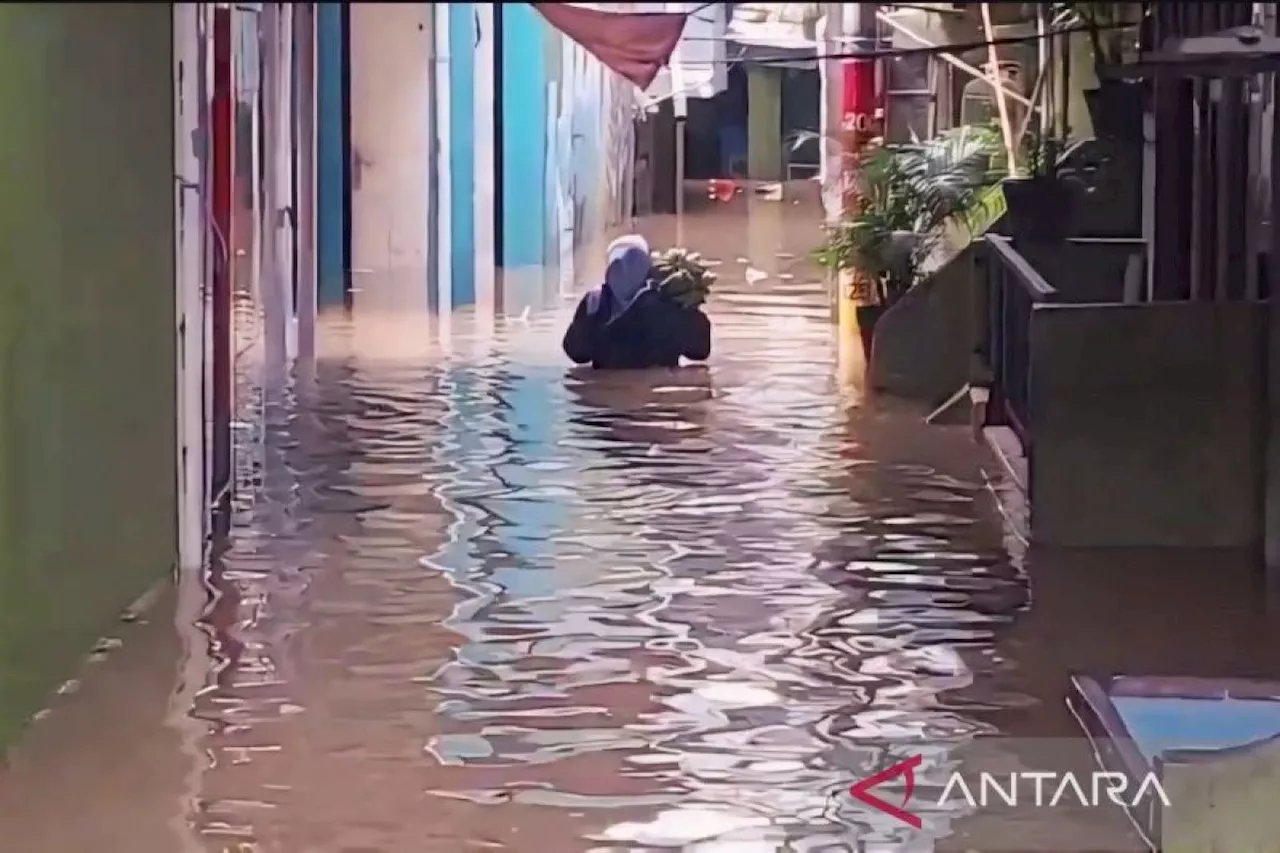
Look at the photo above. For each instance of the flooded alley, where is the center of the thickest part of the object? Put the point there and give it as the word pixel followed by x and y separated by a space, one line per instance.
pixel 477 599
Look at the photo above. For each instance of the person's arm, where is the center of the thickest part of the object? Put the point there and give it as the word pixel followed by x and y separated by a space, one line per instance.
pixel 697 336
pixel 579 338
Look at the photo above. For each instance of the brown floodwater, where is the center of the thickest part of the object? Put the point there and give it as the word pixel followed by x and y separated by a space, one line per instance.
pixel 474 599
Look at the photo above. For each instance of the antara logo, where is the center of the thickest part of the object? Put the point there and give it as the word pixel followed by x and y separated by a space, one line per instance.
pixel 1040 789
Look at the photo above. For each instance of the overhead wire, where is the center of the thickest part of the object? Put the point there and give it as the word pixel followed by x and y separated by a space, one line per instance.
pixel 889 53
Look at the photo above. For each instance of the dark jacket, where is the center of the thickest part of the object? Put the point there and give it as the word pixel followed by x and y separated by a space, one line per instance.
pixel 651 331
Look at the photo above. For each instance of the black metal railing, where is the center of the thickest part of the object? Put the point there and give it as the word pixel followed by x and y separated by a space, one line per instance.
pixel 1014 288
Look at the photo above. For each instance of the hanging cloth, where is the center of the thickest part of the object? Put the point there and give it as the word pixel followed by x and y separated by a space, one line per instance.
pixel 633 44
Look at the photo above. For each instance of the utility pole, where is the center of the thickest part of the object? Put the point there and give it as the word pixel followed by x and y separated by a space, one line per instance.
pixel 850 101
pixel 831 157
pixel 680 106
pixel 831 78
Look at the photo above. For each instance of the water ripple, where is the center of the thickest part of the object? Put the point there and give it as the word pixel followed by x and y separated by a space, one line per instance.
pixel 665 609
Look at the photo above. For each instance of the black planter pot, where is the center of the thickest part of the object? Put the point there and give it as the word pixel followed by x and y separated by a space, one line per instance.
pixel 1115 108
pixel 1038 209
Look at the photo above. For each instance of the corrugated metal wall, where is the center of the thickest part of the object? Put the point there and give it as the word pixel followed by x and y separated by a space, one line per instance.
pixel 87 349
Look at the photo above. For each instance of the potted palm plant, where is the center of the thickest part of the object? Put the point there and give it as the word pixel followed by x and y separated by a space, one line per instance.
pixel 1116 106
pixel 1041 202
pixel 906 199
pixel 1040 206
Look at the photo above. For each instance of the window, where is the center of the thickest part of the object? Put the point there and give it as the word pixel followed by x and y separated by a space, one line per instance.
pixel 909 98
pixel 909 72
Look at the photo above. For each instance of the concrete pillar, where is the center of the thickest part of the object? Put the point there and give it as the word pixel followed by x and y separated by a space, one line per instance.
pixel 830 79
pixel 274 269
pixel 286 179
pixel 305 128
pixel 189 242
pixel 764 124
pixel 841 21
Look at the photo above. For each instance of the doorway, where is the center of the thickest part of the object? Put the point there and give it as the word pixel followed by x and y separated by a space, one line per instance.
pixel 392 46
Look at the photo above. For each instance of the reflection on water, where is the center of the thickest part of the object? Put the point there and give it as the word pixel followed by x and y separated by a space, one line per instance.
pixel 581 601
pixel 541 608
pixel 476 600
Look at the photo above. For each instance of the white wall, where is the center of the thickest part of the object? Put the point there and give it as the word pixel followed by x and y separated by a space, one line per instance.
pixel 391 46
pixel 190 189
pixel 277 234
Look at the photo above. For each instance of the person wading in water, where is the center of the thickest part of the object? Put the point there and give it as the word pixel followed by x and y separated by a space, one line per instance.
pixel 627 324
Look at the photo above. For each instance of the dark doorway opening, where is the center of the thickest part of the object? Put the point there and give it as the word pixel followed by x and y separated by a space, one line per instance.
pixel 801 114
pixel 716 132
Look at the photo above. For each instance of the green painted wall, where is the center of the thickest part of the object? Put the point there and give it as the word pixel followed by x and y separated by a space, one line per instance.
pixel 764 124
pixel 87 388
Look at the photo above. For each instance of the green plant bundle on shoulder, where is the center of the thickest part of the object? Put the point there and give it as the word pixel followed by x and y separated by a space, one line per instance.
pixel 682 276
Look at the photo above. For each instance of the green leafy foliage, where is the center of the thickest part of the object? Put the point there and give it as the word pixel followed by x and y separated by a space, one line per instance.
pixel 906 198
pixel 682 276
pixel 1043 156
pixel 1041 153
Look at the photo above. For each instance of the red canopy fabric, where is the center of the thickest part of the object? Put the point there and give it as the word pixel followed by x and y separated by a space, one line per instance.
pixel 633 44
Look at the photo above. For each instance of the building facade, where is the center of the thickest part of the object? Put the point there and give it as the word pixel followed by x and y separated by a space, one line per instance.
pixel 89 333
pixel 273 161
pixel 458 139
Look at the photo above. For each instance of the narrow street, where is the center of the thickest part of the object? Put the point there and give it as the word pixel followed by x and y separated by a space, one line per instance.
pixel 475 599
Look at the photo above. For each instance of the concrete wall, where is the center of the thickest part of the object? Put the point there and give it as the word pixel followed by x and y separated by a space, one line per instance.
pixel 87 344
pixel 1145 422
pixel 1085 269
pixel 925 343
pixel 195 372
pixel 567 142
pixel 764 124
pixel 616 198
pixel 391 46
pixel 1113 206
